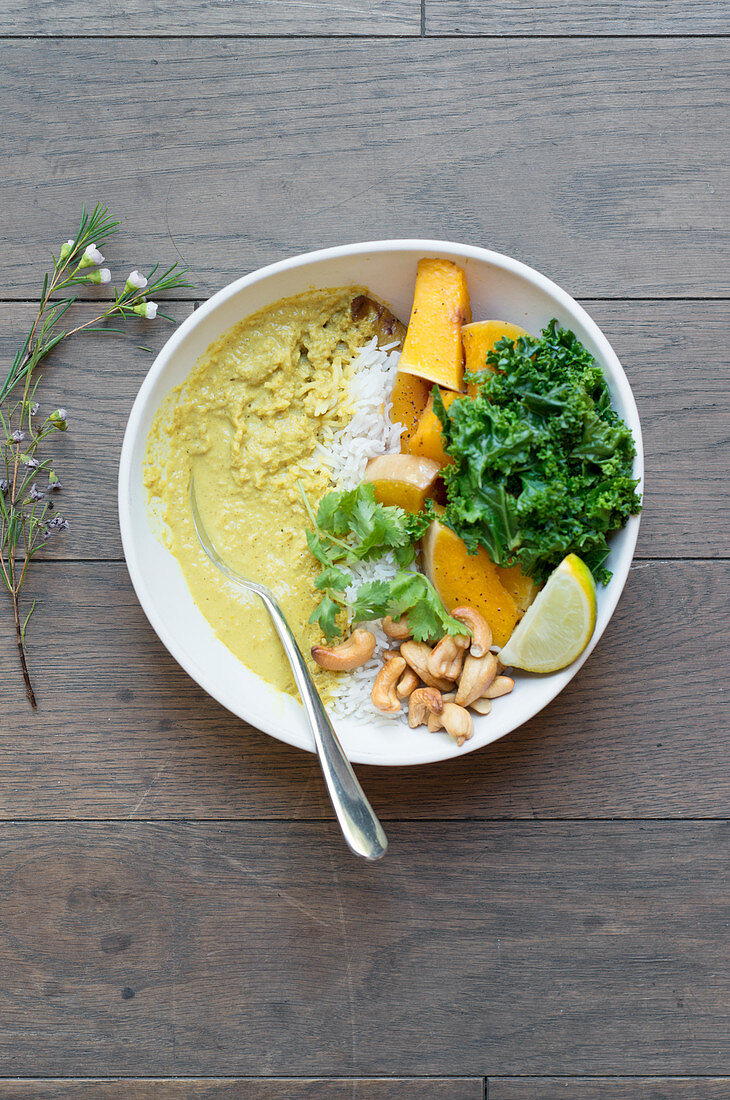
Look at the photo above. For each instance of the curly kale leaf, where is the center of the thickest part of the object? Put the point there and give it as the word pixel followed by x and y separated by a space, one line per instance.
pixel 542 462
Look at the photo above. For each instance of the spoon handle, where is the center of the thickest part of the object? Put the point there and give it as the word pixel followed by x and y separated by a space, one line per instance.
pixel 360 826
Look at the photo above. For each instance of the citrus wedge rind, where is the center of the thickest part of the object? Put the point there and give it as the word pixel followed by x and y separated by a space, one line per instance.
pixel 559 624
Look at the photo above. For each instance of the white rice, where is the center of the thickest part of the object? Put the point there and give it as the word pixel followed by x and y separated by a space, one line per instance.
pixel 368 434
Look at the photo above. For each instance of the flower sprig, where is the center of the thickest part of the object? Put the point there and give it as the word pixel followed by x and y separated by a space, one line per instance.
pixel 28 481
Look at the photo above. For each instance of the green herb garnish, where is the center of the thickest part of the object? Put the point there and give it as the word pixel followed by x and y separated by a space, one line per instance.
pixel 351 527
pixel 542 462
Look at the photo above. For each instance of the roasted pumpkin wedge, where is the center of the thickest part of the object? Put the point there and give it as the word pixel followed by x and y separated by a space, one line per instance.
pixel 432 348
pixel 479 338
pixel 468 580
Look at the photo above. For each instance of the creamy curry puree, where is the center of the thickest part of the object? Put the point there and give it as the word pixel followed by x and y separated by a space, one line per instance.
pixel 245 424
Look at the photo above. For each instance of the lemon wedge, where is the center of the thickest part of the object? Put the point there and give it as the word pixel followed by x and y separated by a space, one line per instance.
pixel 558 626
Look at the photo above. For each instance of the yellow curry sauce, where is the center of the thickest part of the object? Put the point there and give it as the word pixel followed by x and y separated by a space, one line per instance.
pixel 245 424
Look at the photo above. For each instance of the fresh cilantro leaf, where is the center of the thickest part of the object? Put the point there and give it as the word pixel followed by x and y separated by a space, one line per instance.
pixel 334 578
pixel 321 551
pixel 325 613
pixel 404 555
pixel 371 601
pixel 327 514
pixel 413 595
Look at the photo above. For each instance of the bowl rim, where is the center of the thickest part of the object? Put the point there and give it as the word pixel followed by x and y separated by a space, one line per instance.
pixel 442 749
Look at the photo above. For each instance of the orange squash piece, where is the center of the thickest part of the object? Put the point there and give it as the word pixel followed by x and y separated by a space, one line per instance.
pixel 426 440
pixel 468 580
pixel 432 347
pixel 403 480
pixel 479 338
pixel 410 395
pixel 521 588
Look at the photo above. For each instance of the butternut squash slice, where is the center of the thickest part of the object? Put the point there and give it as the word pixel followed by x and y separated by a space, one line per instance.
pixel 410 395
pixel 468 580
pixel 426 441
pixel 432 348
pixel 479 338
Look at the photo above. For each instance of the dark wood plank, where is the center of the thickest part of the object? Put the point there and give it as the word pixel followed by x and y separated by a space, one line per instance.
pixel 603 166
pixel 473 948
pixel 246 1088
pixel 677 360
pixel 608 1088
pixel 675 354
pixel 211 17
pixel 123 732
pixel 591 17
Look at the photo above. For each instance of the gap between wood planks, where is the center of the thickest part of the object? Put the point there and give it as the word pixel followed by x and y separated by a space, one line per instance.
pixel 360 37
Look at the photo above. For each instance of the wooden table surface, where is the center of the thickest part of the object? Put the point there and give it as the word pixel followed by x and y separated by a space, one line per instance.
pixel 178 916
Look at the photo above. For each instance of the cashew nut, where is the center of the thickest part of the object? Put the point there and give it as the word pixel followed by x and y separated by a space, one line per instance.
pixel 352 653
pixel 500 685
pixel 481 706
pixel 481 632
pixel 407 684
pixel 383 694
pixel 397 629
pixel 456 720
pixel 448 656
pixel 416 655
pixel 423 701
pixel 475 679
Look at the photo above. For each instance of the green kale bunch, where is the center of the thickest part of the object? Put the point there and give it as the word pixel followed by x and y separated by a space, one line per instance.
pixel 542 462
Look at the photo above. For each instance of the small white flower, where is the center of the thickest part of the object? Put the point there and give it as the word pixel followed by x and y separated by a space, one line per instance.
pixel 136 280
pixel 92 253
pixel 105 275
pixel 91 257
pixel 66 249
pixel 146 309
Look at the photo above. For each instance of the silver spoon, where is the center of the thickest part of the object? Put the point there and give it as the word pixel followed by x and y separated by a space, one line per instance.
pixel 360 827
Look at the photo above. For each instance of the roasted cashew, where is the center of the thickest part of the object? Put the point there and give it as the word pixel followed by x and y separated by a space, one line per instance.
pixel 447 658
pixel 500 685
pixel 383 694
pixel 397 629
pixel 407 684
pixel 352 653
pixel 416 655
pixel 423 701
pixel 456 720
pixel 481 706
pixel 481 632
pixel 475 679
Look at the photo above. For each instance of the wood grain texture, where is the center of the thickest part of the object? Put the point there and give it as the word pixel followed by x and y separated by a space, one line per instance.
pixel 122 732
pixel 602 166
pixel 608 1088
pixel 591 17
pixel 266 949
pixel 211 17
pixel 392 1088
pixel 675 355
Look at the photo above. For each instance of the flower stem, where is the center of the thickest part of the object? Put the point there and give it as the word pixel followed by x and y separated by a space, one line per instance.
pixel 21 651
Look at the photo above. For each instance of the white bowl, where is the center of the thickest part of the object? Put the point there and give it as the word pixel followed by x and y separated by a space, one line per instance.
pixel 499 287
